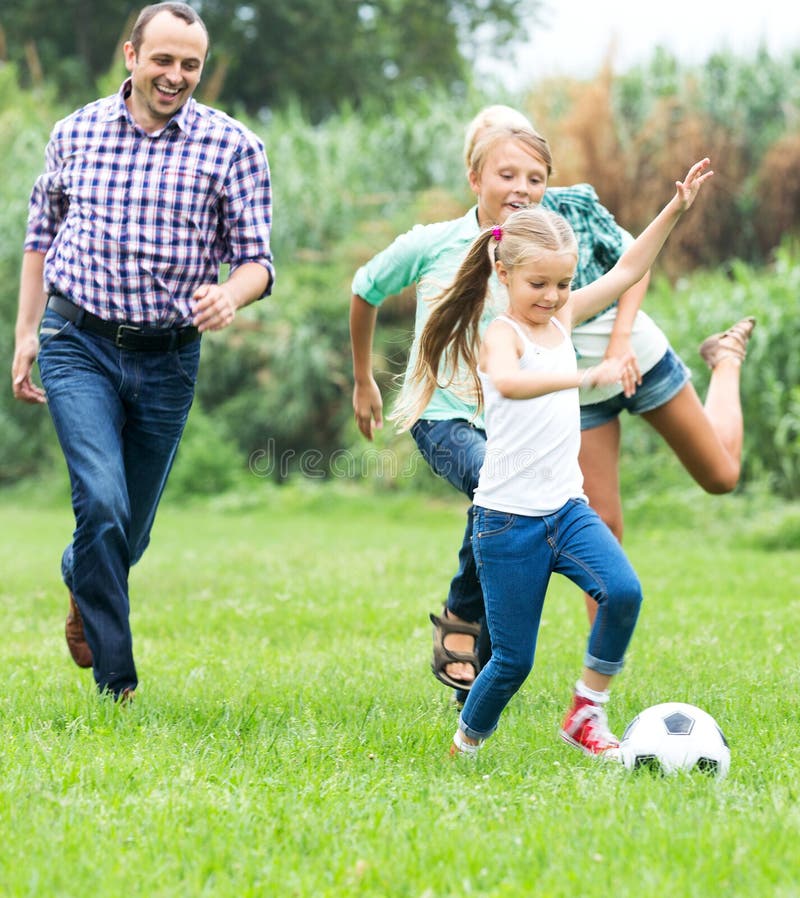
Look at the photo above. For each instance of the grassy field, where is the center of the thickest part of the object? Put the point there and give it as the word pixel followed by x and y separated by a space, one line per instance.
pixel 288 738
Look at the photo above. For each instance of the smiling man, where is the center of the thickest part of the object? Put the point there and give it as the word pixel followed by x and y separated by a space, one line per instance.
pixel 165 57
pixel 144 195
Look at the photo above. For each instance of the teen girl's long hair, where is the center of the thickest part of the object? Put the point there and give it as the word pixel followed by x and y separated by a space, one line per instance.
pixel 450 340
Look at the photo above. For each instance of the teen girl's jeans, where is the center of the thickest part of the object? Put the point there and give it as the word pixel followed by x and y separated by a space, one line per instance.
pixel 516 556
pixel 119 416
pixel 455 450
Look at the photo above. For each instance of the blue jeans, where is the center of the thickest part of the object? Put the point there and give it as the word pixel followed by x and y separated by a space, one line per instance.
pixel 516 556
pixel 119 416
pixel 455 450
pixel 659 385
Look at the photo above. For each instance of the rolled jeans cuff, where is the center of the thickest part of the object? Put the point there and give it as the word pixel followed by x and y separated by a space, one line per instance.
pixel 472 733
pixel 608 668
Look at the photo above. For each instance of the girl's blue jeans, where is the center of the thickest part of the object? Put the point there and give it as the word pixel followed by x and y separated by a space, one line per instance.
pixel 119 416
pixel 516 556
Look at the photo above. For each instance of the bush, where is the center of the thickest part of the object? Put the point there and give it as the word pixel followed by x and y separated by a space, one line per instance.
pixel 207 462
pixel 280 385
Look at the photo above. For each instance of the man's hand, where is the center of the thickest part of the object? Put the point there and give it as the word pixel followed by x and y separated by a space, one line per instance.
pixel 22 385
pixel 214 307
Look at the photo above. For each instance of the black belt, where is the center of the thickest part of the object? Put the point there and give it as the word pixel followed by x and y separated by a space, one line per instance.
pixel 136 337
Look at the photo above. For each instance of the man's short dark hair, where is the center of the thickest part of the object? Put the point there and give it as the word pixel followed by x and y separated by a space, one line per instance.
pixel 180 10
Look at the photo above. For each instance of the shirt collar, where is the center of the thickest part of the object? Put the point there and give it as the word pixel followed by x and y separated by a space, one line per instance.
pixel 184 118
pixel 469 226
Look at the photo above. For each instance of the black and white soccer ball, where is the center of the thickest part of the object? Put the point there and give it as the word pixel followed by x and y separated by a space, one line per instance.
pixel 675 736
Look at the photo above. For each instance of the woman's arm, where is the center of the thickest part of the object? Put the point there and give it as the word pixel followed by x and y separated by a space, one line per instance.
pixel 640 255
pixel 619 340
pixel 627 307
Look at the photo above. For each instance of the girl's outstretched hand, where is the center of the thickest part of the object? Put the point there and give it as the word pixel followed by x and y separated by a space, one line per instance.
pixel 622 370
pixel 687 190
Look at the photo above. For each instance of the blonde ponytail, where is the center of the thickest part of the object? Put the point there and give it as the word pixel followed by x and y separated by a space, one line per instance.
pixel 450 339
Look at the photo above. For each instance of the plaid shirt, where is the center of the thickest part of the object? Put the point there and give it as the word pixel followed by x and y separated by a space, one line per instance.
pixel 601 241
pixel 132 223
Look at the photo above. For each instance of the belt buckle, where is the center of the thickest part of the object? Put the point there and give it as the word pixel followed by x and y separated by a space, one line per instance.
pixel 122 330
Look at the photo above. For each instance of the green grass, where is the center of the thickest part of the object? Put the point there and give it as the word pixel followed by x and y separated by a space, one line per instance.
pixel 288 738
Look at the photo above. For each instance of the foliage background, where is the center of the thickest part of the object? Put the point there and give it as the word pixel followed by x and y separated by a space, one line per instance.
pixel 358 168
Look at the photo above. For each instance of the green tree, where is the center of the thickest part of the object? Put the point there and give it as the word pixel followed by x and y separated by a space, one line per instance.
pixel 268 52
pixel 68 42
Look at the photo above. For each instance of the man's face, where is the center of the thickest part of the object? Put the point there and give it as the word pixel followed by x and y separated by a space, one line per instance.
pixel 166 70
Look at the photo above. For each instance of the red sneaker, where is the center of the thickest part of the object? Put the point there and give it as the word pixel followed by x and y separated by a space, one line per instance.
pixel 586 727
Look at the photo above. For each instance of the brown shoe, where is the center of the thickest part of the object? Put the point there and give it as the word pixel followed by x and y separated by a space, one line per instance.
pixel 730 344
pixel 76 640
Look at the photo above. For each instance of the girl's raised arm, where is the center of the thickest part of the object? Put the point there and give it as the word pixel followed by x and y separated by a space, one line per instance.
pixel 641 254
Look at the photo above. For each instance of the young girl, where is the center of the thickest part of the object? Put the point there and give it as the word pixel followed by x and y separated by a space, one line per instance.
pixel 531 515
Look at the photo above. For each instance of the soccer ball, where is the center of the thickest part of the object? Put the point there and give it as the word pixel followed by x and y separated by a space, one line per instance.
pixel 675 736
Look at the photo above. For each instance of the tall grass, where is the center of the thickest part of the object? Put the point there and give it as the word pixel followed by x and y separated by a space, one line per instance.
pixel 288 738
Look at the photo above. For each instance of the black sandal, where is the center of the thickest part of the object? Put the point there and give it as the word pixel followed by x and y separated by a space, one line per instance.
pixel 442 656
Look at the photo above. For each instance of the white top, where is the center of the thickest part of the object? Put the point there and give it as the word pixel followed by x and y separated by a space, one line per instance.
pixel 531 465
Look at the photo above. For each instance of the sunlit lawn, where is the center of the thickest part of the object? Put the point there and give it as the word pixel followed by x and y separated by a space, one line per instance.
pixel 288 738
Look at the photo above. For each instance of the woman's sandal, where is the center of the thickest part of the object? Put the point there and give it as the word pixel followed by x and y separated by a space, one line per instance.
pixel 442 656
pixel 730 344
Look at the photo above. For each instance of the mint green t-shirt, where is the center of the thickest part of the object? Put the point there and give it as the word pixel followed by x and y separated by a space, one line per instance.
pixel 428 257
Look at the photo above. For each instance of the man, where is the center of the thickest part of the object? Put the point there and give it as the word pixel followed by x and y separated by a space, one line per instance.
pixel 144 195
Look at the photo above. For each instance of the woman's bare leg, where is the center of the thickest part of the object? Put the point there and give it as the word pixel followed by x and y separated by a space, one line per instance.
pixel 707 439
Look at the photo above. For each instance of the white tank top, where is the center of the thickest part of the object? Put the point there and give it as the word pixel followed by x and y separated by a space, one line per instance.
pixel 531 465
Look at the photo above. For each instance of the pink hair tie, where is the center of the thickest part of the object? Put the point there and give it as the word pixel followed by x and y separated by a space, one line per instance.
pixel 497 233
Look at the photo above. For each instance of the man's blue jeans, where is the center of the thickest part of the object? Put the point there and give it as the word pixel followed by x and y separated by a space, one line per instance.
pixel 455 449
pixel 516 556
pixel 119 416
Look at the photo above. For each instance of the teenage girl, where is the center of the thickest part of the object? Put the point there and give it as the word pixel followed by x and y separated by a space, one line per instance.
pixel 508 166
pixel 532 517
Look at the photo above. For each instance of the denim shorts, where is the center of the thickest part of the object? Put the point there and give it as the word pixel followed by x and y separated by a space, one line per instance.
pixel 660 384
